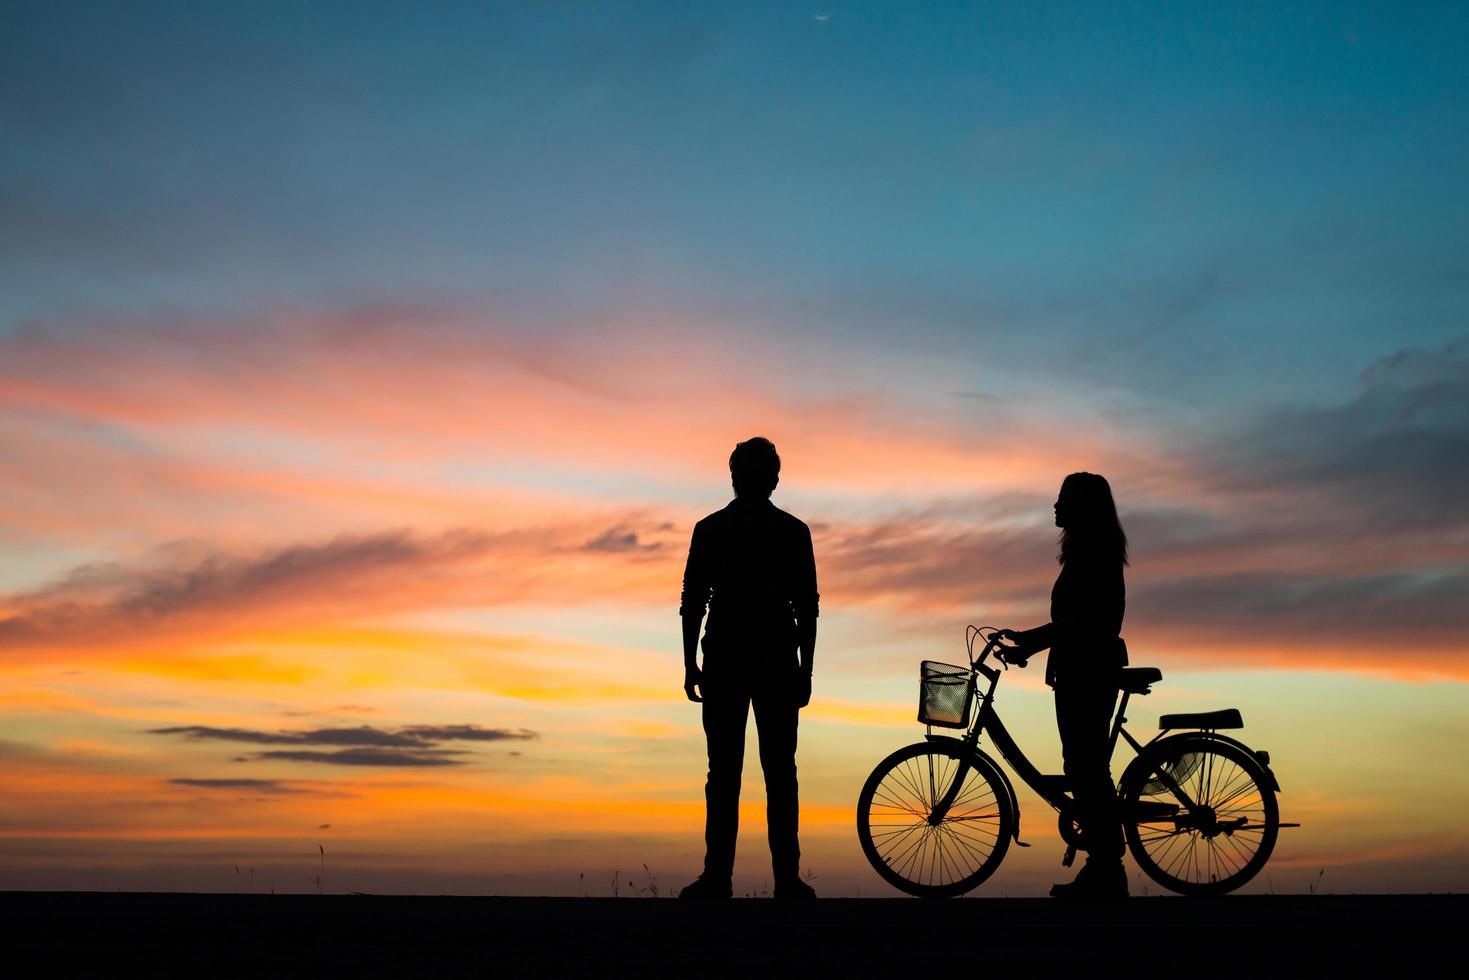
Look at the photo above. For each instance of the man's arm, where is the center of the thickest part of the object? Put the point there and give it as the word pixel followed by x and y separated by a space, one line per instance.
pixel 691 608
pixel 692 675
pixel 806 603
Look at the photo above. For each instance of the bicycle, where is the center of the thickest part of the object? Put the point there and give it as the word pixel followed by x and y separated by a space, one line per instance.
pixel 936 818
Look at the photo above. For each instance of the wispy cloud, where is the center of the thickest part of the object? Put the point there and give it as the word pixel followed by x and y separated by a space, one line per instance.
pixel 364 745
pixel 253 785
pixel 1395 456
pixel 371 757
pixel 623 540
pixel 413 736
pixel 466 733
pixel 342 577
pixel 580 401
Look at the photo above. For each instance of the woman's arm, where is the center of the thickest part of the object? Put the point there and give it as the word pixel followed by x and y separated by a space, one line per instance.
pixel 1090 606
pixel 1033 641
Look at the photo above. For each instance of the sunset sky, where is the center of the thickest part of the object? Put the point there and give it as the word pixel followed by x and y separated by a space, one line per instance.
pixel 364 368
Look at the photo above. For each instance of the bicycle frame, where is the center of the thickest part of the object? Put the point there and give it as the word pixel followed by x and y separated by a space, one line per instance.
pixel 1051 788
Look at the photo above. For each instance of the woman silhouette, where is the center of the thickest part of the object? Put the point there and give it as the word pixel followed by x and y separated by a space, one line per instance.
pixel 1087 656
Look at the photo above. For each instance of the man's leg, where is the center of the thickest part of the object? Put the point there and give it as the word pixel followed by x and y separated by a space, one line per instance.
pixel 726 708
pixel 776 716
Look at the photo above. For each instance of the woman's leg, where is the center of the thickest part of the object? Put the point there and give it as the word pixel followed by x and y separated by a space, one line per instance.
pixel 1083 718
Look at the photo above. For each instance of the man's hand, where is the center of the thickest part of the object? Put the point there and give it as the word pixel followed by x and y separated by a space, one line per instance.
pixel 802 692
pixel 693 683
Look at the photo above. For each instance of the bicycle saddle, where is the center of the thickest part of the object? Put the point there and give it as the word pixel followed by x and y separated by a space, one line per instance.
pixel 1135 680
pixel 1225 718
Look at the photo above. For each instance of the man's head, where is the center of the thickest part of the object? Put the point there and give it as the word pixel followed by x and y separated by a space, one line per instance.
pixel 754 468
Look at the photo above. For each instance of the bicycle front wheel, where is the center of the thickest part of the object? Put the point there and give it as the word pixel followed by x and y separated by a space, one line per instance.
pixel 1200 815
pixel 934 819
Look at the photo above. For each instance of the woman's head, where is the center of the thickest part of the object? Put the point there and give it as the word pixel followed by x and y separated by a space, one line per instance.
pixel 754 468
pixel 1088 520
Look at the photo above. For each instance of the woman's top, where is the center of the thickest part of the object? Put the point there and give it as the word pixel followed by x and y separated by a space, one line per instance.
pixel 1087 602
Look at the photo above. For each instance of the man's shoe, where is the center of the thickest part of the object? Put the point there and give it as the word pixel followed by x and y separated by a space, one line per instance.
pixel 795 889
pixel 1095 881
pixel 702 887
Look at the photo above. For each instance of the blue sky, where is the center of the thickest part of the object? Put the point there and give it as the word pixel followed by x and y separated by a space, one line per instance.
pixel 1124 191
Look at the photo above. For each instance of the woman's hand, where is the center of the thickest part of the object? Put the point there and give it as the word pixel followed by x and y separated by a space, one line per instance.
pixel 1016 653
pixel 693 683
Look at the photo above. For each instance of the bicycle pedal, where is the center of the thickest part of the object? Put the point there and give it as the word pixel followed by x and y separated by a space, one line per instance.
pixel 1069 858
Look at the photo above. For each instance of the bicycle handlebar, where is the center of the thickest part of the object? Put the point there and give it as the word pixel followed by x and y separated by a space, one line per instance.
pixel 991 644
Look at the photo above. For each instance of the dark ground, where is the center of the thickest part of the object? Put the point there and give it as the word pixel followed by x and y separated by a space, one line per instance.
pixel 99 934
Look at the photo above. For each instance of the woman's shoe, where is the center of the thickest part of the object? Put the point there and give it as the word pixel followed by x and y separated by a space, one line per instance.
pixel 1093 881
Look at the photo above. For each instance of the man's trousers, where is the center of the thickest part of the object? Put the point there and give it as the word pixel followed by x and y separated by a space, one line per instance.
pixel 730 690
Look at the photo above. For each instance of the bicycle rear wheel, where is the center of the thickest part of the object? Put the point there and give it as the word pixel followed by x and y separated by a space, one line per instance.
pixel 1200 815
pixel 927 853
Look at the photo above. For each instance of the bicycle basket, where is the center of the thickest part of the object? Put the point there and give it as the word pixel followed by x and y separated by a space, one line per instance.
pixel 945 695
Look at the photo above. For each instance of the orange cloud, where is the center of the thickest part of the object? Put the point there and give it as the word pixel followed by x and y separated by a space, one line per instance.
pixel 399 387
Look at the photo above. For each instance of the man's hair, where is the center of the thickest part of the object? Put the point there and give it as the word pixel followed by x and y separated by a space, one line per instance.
pixel 754 467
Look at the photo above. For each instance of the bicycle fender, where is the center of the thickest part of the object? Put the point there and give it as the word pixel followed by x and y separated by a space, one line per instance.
pixel 1206 737
pixel 1259 755
pixel 1010 789
pixel 981 757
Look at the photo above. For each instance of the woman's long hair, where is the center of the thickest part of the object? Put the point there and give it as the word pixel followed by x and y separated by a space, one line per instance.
pixel 1092 529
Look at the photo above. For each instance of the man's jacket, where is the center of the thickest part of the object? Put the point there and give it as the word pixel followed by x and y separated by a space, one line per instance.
pixel 752 566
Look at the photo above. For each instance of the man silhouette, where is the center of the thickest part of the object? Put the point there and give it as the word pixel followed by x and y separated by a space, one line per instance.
pixel 753 566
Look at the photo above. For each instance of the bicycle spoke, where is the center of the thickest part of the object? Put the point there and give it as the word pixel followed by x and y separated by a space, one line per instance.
pixel 905 858
pixel 915 852
pixel 1245 856
pixel 1173 846
pixel 895 804
pixel 943 856
pixel 1223 792
pixel 1227 854
pixel 935 854
pixel 903 782
pixel 962 853
pixel 901 829
pixel 1160 836
pixel 974 843
pixel 893 840
pixel 894 796
pixel 1248 787
pixel 980 785
pixel 910 779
